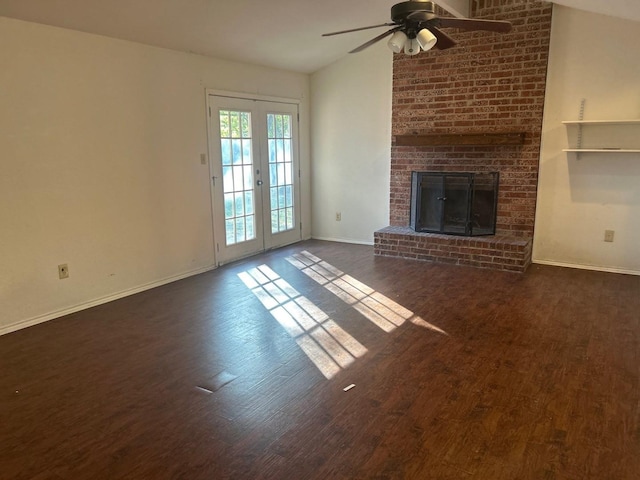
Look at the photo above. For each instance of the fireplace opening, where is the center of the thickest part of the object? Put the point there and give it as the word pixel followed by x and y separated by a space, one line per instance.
pixel 454 203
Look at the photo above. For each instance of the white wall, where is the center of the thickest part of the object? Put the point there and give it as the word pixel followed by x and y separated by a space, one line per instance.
pixel 351 145
pixel 100 144
pixel 597 58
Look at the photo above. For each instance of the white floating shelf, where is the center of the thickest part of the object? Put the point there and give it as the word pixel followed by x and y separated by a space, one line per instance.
pixel 600 150
pixel 601 122
pixel 620 136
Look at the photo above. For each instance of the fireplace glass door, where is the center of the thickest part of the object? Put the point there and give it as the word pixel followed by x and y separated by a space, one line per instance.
pixel 454 203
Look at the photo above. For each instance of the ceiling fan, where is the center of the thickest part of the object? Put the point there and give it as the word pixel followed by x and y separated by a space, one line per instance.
pixel 416 27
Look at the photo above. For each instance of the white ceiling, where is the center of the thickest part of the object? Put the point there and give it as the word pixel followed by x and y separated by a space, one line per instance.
pixel 278 33
pixel 283 34
pixel 628 9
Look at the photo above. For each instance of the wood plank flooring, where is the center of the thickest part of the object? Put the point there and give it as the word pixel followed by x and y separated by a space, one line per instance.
pixel 460 373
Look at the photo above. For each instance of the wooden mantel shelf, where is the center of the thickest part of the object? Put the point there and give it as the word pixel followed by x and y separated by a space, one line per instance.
pixel 468 139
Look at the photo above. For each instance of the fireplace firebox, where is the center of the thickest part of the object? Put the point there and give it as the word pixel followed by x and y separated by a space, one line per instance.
pixel 454 203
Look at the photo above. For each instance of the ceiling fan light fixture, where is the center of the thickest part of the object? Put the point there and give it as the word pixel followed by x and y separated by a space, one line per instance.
pixel 426 39
pixel 412 47
pixel 397 41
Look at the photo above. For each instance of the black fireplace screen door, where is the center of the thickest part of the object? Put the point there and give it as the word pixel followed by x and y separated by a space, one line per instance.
pixel 454 203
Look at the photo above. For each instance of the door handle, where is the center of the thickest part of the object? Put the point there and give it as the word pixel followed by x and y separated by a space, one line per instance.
pixel 442 198
pixel 259 182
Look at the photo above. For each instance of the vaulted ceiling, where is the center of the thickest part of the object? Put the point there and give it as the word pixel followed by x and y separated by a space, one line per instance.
pixel 282 34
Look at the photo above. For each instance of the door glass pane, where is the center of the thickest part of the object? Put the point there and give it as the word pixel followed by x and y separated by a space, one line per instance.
pixel 237 180
pixel 225 147
pixel 280 172
pixel 431 205
pixel 456 206
pixel 248 202
pixel 483 213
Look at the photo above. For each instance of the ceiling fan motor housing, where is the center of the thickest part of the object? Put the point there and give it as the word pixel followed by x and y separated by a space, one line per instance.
pixel 400 11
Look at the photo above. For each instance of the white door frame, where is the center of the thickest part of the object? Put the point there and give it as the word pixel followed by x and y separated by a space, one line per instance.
pixel 210 95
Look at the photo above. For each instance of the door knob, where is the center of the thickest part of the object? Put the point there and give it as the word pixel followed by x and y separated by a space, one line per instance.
pixel 259 182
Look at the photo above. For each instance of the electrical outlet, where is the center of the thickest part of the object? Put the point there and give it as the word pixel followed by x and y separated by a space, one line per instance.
pixel 63 271
pixel 203 158
pixel 608 235
pixel 338 216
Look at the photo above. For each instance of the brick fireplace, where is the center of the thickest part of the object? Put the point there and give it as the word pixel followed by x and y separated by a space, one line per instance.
pixel 476 108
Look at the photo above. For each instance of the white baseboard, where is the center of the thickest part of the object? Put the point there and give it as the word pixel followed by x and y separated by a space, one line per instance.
pixel 587 267
pixel 343 240
pixel 98 301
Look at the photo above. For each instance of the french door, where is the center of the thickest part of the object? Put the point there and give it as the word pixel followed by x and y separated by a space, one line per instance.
pixel 255 175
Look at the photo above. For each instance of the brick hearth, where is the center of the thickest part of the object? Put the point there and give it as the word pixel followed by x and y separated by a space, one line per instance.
pixel 498 252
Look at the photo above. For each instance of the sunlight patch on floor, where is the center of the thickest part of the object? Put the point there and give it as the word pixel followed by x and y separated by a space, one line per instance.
pixel 327 345
pixel 377 308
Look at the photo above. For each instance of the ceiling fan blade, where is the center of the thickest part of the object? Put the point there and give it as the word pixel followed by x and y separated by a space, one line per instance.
pixel 444 40
pixel 475 24
pixel 374 40
pixel 357 29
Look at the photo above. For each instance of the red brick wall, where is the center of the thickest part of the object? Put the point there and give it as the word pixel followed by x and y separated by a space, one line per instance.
pixel 489 82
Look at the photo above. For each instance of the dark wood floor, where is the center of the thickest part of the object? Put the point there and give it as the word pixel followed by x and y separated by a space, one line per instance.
pixel 476 375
